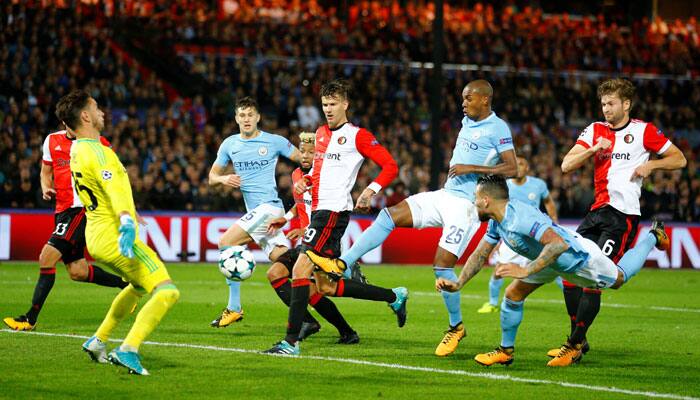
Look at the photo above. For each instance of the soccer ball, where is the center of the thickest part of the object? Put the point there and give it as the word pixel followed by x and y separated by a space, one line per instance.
pixel 237 263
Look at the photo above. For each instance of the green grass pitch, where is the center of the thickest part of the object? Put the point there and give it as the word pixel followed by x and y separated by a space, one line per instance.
pixel 644 343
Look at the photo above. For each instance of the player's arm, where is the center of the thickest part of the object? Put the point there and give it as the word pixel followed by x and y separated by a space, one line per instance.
pixel 551 208
pixel 278 223
pixel 217 177
pixel 370 148
pixel 554 246
pixel 507 168
pixel 671 159
pixel 295 156
pixel 579 154
pixel 46 180
pixel 474 263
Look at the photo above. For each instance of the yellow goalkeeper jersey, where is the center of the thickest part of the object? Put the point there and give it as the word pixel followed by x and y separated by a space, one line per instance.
pixel 103 187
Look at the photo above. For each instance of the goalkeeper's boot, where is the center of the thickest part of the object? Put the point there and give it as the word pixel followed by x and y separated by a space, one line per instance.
pixel 328 265
pixel 284 348
pixel 488 308
pixel 449 343
pixel 568 354
pixel 399 305
pixel 131 360
pixel 226 318
pixel 308 329
pixel 96 349
pixel 662 241
pixel 501 355
pixel 584 349
pixel 20 323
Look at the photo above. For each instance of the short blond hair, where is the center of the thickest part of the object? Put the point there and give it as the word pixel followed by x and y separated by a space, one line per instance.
pixel 307 137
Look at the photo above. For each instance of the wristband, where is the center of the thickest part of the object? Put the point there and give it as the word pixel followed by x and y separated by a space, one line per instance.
pixel 289 215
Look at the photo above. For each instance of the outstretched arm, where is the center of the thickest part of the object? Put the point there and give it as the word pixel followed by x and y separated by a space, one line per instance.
pixel 554 246
pixel 473 265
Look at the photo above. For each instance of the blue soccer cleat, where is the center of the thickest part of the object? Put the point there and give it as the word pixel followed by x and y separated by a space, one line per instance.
pixel 128 359
pixel 284 348
pixel 96 349
pixel 399 305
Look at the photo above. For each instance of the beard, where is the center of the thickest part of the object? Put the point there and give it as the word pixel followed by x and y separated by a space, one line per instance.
pixel 483 217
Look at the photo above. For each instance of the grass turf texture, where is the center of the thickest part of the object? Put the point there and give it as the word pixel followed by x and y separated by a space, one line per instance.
pixel 637 346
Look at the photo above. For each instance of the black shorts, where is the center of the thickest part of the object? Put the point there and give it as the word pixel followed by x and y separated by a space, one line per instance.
pixel 612 230
pixel 68 236
pixel 290 258
pixel 325 231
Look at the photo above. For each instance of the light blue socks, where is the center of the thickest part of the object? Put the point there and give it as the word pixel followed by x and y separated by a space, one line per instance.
pixel 375 235
pixel 234 295
pixel 511 316
pixel 452 300
pixel 634 258
pixel 495 285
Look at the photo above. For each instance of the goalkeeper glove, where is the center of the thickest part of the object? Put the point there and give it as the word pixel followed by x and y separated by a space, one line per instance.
pixel 127 235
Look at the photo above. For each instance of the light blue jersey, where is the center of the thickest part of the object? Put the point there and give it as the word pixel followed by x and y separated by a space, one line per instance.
pixel 254 160
pixel 532 192
pixel 479 143
pixel 522 228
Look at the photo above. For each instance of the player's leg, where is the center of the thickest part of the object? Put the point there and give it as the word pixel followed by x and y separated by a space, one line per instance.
pixel 329 311
pixel 149 272
pixel 387 219
pixel 236 235
pixel 633 260
pixel 48 258
pixel 512 315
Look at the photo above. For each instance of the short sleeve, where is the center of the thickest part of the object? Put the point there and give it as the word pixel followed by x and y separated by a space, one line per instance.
pixel 544 190
pixel 585 139
pixel 284 146
pixel 503 139
pixel 222 157
pixel 492 236
pixel 531 222
pixel 654 139
pixel 46 156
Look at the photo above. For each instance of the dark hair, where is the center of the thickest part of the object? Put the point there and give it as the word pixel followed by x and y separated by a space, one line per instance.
pixel 69 107
pixel 246 102
pixel 619 86
pixel 494 185
pixel 336 88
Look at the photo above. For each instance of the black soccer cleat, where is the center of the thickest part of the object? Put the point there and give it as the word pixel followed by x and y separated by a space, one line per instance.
pixel 357 275
pixel 308 329
pixel 349 338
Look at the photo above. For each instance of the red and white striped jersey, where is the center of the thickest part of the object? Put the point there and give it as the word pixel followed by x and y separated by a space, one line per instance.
pixel 339 155
pixel 302 201
pixel 613 168
pixel 56 153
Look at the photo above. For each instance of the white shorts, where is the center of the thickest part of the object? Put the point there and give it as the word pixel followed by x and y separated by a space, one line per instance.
pixel 456 215
pixel 600 272
pixel 504 255
pixel 255 221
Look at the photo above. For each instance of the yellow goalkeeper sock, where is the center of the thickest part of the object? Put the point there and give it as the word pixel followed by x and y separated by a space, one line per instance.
pixel 150 315
pixel 122 305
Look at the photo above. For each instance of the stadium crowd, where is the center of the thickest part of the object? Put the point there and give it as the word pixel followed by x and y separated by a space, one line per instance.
pixel 168 146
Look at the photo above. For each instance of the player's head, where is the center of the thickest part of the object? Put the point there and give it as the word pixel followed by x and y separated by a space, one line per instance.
pixel 616 99
pixel 78 111
pixel 307 147
pixel 491 193
pixel 523 167
pixel 335 96
pixel 247 115
pixel 476 99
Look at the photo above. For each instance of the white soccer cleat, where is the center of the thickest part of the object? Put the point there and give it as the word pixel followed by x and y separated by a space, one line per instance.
pixel 96 349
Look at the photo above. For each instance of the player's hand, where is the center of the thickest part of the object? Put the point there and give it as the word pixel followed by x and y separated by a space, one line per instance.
pixel 141 220
pixel 446 285
pixel 510 270
pixel 642 171
pixel 276 224
pixel 231 180
pixel 127 235
pixel 295 234
pixel 602 144
pixel 48 193
pixel 303 185
pixel 458 169
pixel 364 202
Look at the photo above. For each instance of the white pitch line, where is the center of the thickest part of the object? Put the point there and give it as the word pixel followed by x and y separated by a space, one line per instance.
pixel 552 301
pixel 481 375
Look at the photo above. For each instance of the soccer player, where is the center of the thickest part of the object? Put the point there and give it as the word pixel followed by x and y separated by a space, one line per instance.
pixel 111 234
pixel 281 270
pixel 533 191
pixel 554 251
pixel 620 148
pixel 484 146
pixel 67 241
pixel 254 154
pixel 341 147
